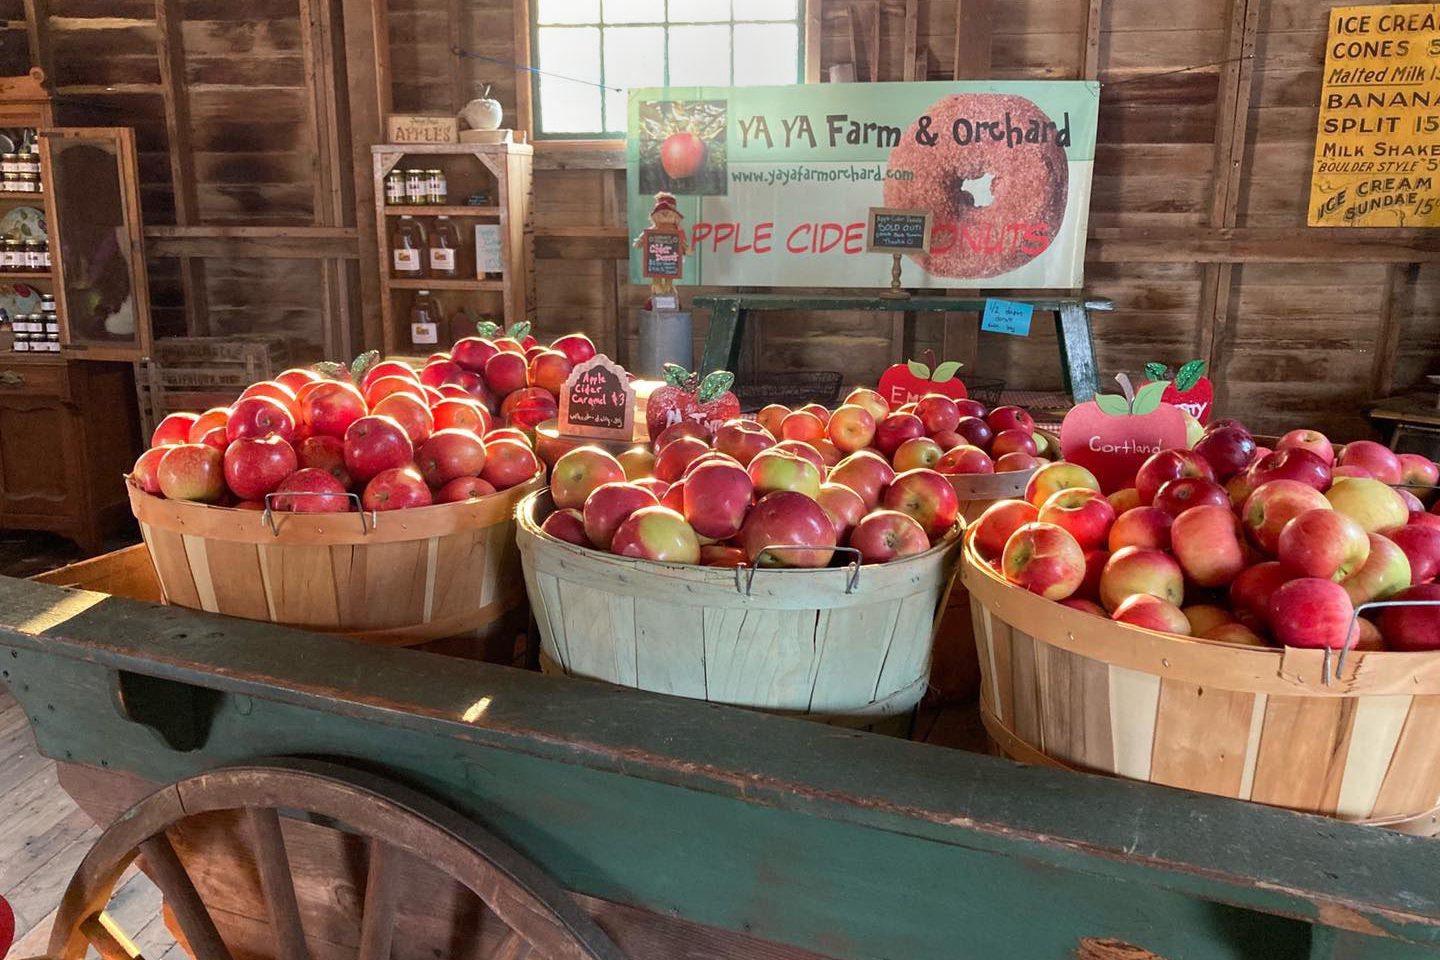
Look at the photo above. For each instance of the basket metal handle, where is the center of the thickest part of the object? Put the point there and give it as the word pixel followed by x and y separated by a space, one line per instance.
pixel 744 583
pixel 1326 674
pixel 267 517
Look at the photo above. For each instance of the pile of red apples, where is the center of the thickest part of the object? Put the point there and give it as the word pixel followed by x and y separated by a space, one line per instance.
pixel 460 428
pixel 787 488
pixel 1229 541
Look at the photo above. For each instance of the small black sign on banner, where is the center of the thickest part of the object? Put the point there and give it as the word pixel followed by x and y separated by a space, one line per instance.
pixel 897 231
pixel 662 255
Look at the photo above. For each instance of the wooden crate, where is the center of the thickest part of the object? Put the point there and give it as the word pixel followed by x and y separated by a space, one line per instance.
pixel 1065 688
pixel 196 373
pixel 804 642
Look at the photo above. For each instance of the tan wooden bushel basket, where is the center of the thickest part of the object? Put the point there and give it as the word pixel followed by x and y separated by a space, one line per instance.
pixel 955 672
pixel 848 645
pixel 442 575
pixel 1070 689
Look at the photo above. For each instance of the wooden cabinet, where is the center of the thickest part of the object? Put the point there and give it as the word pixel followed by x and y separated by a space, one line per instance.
pixel 68 432
pixel 69 427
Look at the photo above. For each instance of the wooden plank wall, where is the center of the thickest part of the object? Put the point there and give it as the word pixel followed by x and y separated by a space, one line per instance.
pixel 1197 218
pixel 242 125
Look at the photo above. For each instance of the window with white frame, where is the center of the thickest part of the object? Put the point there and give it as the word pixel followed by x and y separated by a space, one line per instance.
pixel 589 53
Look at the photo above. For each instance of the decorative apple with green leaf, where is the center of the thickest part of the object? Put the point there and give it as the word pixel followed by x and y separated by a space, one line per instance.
pixel 686 397
pixel 909 381
pixel 1191 390
pixel 1111 436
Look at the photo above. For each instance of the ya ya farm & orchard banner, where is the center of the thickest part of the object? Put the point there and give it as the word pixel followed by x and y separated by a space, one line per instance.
pixel 775 183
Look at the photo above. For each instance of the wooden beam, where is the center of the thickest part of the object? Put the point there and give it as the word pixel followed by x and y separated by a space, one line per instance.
pixel 1090 54
pixel 1387 334
pixel 379 16
pixel 365 119
pixel 37 36
pixel 911 48
pixel 318 51
pixel 280 243
pixel 874 51
pixel 612 214
pixel 974 20
pixel 814 39
pixel 170 52
pixel 524 88
pixel 1232 121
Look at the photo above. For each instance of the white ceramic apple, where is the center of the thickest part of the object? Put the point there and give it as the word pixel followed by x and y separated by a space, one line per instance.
pixel 483 113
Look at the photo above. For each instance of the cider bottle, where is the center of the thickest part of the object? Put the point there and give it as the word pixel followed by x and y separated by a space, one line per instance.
pixel 407 246
pixel 424 319
pixel 444 249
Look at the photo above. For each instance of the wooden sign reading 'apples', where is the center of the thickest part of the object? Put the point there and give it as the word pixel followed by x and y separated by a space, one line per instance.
pixel 597 401
pixel 1111 436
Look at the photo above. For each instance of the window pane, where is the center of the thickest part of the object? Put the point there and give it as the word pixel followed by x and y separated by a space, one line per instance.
pixel 699 56
pixel 565 105
pixel 766 54
pixel 634 11
pixel 568 11
pixel 634 57
pixel 697 11
pixel 766 10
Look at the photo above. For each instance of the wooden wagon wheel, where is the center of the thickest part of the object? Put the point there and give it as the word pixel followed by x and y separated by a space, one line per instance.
pixel 542 918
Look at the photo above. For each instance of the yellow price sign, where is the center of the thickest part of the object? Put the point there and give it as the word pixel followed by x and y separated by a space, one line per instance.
pixel 1377 144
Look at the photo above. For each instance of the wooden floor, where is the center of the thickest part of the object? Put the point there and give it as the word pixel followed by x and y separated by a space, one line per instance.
pixel 45 836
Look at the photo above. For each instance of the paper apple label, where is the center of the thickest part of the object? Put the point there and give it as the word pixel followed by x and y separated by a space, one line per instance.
pixel 1191 390
pixel 1111 436
pixel 907 382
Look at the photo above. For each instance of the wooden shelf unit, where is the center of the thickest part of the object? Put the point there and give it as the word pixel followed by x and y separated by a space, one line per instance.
pixel 503 170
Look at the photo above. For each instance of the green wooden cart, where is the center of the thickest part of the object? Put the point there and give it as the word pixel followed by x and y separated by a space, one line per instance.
pixel 301 796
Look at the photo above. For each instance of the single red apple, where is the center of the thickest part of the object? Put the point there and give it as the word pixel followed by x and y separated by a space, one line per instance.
pixel 567 525
pixel 255 466
pixel 464 488
pixel 398 488
pixel 174 429
pixel 192 471
pixel 376 443
pixel 887 535
pixel 508 462
pixel 608 506
pixel 448 455
pixel 312 490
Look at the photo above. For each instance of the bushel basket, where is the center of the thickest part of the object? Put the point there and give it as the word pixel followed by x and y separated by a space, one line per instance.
pixel 1070 689
pixel 842 644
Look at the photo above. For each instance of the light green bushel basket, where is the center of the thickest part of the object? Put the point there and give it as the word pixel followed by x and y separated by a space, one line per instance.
pixel 846 645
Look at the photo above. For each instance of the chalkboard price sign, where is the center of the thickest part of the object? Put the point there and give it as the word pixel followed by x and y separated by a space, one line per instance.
pixel 897 231
pixel 598 401
pixel 663 257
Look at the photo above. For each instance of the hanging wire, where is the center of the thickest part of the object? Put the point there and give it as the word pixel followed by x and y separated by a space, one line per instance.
pixel 525 67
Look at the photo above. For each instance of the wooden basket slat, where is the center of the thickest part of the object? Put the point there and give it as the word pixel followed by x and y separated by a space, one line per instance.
pixel 1302 752
pixel 167 549
pixel 1134 701
pixel 911 648
pixel 586 611
pixel 459 563
pixel 670 648
pixel 198 560
pixel 1025 689
pixel 1412 777
pixel 852 648
pixel 1071 682
pixel 1378 723
pixel 1195 745
pixel 235 579
pixel 760 657
pixel 544 592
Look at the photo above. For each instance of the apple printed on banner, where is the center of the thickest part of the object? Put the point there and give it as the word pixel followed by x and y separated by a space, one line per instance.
pixel 909 381
pixel 1111 436
pixel 1191 390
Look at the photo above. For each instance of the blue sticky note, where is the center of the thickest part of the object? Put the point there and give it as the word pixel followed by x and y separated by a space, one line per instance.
pixel 1007 316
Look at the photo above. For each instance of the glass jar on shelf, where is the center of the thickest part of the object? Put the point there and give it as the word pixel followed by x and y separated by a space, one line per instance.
pixel 444 249
pixel 52 341
pixel 11 254
pixel 10 163
pixel 437 188
pixel 32 258
pixel 424 319
pixel 21 341
pixel 45 261
pixel 28 161
pixel 407 249
pixel 395 188
pixel 47 305
pixel 417 187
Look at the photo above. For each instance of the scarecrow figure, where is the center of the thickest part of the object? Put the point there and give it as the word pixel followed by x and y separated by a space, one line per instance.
pixel 665 218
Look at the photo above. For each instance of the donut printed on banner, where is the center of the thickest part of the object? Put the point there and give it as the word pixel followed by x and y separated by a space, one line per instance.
pixel 992 170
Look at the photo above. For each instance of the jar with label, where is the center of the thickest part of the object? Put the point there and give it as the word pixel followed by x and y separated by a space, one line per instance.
pixel 417 187
pixel 21 343
pixel 10 163
pixel 437 187
pixel 11 255
pixel 395 188
pixel 44 255
pixel 52 341
pixel 424 319
pixel 32 257
pixel 444 249
pixel 47 304
pixel 52 325
pixel 29 161
pixel 31 183
pixel 407 245
pixel 21 183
